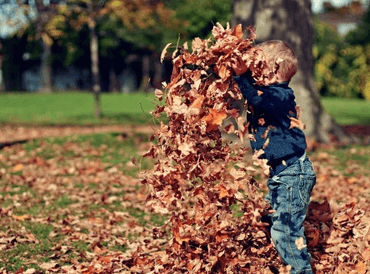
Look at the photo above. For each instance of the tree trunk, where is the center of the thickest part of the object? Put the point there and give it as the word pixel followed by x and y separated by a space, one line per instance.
pixel 2 84
pixel 291 21
pixel 46 75
pixel 113 81
pixel 94 50
pixel 158 74
pixel 145 70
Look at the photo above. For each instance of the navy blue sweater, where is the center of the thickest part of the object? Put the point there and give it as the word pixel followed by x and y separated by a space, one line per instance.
pixel 269 110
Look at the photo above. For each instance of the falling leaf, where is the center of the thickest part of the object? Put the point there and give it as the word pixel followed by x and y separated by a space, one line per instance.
pixel 158 94
pixel 214 118
pixel 238 31
pixel 164 52
pixel 300 243
pixel 295 123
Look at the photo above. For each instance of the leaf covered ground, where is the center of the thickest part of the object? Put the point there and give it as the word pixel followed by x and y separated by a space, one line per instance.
pixel 79 202
pixel 75 205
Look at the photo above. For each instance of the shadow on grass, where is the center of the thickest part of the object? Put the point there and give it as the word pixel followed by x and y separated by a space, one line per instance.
pixel 8 144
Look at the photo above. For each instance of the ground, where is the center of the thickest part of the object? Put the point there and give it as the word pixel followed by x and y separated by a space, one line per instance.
pixel 74 201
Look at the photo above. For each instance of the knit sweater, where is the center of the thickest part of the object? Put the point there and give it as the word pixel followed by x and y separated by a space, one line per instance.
pixel 269 110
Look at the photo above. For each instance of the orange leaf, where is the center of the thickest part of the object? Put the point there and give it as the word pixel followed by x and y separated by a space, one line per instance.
pixel 18 167
pixel 238 31
pixel 221 236
pixel 21 218
pixel 223 191
pixel 197 103
pixel 361 267
pixel 105 259
pixel 214 118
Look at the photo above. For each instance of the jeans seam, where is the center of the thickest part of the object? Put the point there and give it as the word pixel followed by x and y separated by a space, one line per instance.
pixel 287 231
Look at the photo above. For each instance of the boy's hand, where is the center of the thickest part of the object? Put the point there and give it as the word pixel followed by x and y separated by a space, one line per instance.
pixel 244 77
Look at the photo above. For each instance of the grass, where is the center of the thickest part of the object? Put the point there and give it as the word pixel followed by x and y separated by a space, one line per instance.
pixel 77 108
pixel 348 111
pixel 74 108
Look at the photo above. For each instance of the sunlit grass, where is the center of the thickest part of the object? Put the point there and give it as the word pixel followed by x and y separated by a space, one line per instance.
pixel 348 111
pixel 74 108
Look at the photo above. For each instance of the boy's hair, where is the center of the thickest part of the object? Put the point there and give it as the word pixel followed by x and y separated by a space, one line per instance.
pixel 280 58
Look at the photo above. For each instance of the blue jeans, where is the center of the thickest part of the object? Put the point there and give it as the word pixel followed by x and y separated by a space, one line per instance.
pixel 289 195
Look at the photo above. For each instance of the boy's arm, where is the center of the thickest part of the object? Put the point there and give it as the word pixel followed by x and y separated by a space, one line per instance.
pixel 249 92
pixel 271 98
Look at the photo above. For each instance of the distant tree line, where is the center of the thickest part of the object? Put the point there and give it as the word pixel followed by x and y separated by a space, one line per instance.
pixel 342 64
pixel 64 33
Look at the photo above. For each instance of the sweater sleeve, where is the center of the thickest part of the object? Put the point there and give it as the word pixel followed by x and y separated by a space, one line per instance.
pixel 277 99
pixel 274 98
pixel 249 92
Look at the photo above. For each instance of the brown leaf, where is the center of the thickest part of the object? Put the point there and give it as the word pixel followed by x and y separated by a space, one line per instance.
pixel 164 51
pixel 48 266
pixel 295 123
pixel 158 94
pixel 238 31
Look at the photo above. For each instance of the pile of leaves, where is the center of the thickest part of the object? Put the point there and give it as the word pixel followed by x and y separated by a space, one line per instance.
pixel 203 182
pixel 200 179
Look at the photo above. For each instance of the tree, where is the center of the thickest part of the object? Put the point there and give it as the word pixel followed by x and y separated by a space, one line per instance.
pixel 360 35
pixel 135 17
pixel 291 21
pixel 44 13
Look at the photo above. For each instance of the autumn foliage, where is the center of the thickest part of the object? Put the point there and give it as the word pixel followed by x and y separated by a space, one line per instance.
pixel 204 182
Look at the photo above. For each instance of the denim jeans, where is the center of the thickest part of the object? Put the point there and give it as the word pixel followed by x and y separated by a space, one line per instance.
pixel 289 195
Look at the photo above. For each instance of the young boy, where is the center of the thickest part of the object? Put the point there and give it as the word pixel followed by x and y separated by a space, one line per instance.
pixel 292 177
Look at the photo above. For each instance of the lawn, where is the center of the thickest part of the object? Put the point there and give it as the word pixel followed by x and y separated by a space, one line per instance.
pixel 74 108
pixel 348 111
pixel 77 108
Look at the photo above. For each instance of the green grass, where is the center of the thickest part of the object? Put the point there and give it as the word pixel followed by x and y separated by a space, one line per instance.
pixel 77 108
pixel 74 108
pixel 348 111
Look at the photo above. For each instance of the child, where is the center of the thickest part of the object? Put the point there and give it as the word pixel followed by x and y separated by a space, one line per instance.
pixel 292 177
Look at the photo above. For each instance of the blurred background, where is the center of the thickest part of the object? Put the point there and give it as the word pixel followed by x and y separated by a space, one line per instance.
pixel 113 46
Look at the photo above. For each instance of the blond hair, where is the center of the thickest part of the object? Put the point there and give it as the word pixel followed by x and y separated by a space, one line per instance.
pixel 280 58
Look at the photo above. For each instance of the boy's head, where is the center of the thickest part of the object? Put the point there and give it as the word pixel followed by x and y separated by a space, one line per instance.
pixel 280 58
